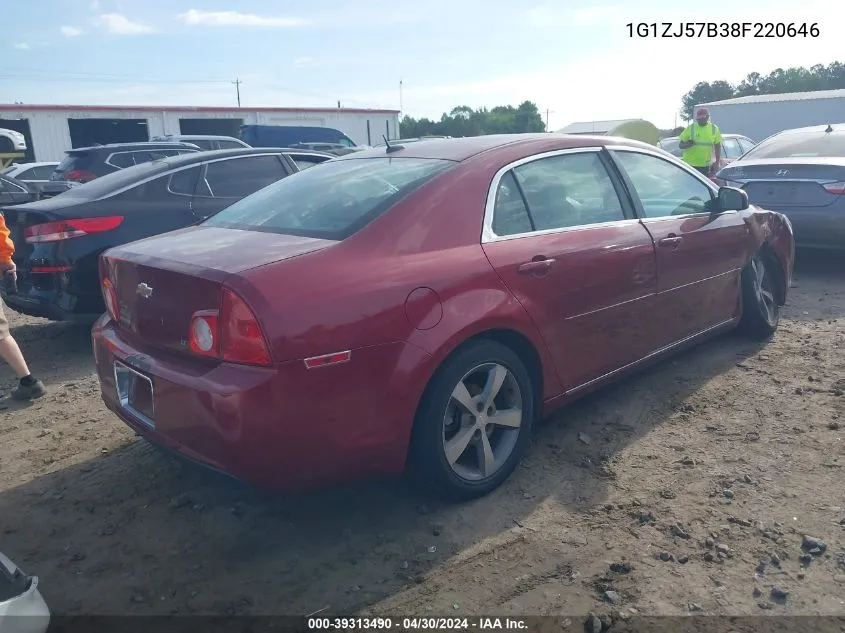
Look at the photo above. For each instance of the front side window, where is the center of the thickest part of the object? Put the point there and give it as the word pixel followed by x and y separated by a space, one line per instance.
pixel 331 202
pixel 664 188
pixel 184 182
pixel 559 192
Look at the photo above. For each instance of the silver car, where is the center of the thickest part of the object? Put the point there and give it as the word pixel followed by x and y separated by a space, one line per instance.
pixel 800 173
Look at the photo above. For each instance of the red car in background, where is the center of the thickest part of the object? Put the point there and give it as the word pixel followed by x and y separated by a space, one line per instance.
pixel 419 308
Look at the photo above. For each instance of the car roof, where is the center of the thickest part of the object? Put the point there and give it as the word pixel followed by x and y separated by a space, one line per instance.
pixel 460 149
pixel 836 127
pixel 675 138
pixel 126 178
pixel 214 137
pixel 139 145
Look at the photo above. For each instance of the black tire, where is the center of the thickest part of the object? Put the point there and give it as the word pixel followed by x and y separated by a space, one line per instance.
pixel 760 301
pixel 428 463
pixel 6 146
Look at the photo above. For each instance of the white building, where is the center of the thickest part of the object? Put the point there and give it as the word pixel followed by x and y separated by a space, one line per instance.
pixel 50 130
pixel 599 128
pixel 760 116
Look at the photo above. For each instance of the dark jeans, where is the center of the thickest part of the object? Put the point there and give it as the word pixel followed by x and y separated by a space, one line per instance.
pixel 703 170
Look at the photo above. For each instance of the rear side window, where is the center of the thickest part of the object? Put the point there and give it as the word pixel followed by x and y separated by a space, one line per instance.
pixel 42 172
pixel 184 182
pixel 73 162
pixel 239 177
pixel 731 148
pixel 230 145
pixel 801 144
pixel 331 202
pixel 121 160
pixel 303 161
pixel 510 216
pixel 203 144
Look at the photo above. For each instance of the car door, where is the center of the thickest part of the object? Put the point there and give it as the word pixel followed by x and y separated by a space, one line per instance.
pixel 569 248
pixel 699 253
pixel 225 181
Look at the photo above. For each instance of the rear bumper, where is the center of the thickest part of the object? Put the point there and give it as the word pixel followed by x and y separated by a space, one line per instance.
pixel 283 428
pixel 45 305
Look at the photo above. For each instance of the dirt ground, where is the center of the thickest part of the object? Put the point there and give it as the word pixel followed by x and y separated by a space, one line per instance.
pixel 732 439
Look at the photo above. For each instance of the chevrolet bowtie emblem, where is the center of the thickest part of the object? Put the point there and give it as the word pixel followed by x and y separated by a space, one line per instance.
pixel 144 290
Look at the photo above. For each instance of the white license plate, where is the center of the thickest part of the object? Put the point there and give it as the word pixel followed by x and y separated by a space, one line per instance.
pixel 135 393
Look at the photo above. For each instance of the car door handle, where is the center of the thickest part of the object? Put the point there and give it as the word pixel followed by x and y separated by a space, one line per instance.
pixel 535 266
pixel 674 240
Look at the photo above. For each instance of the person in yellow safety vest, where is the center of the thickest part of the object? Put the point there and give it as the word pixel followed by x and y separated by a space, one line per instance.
pixel 699 141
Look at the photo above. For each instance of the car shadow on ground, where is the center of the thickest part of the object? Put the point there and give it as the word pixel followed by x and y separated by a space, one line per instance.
pixel 167 527
pixel 135 531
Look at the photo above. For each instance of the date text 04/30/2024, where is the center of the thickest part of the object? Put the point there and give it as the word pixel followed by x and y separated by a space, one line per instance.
pixel 723 29
pixel 407 624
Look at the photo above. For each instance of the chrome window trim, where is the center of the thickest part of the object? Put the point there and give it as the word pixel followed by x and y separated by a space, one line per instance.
pixel 13 187
pixel 488 235
pixel 113 154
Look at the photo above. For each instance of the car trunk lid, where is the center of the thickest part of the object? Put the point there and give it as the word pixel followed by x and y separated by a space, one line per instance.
pixel 161 282
pixel 778 183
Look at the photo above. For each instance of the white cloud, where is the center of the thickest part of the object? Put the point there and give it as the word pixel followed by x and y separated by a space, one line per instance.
pixel 70 31
pixel 118 24
pixel 195 17
pixel 21 46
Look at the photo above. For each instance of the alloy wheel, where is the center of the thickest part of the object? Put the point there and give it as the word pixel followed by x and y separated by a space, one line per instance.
pixel 763 289
pixel 482 422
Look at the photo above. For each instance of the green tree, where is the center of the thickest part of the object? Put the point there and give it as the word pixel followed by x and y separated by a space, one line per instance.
pixel 704 92
pixel 779 81
pixel 464 121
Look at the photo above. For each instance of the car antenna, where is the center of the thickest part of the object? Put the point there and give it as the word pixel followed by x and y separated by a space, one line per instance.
pixel 391 148
pixel 829 129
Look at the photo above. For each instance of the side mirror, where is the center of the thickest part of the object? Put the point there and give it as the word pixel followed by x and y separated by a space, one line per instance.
pixel 732 199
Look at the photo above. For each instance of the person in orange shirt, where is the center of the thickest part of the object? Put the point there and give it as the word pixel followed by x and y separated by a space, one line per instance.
pixel 29 387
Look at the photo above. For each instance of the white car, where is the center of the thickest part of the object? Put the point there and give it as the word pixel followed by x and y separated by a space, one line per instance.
pixel 22 609
pixel 31 172
pixel 11 142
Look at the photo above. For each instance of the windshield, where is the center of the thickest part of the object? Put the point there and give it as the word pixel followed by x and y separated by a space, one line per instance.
pixel 331 200
pixel 800 144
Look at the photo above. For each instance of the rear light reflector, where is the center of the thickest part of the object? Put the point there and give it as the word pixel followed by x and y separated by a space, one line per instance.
pixel 837 188
pixel 67 229
pixel 328 359
pixel 50 269
pixel 204 337
pixel 241 338
pixel 110 297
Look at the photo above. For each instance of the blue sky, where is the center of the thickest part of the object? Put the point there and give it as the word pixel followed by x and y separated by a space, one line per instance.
pixel 572 57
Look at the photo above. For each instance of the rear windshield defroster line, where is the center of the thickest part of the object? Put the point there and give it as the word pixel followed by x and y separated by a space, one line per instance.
pixel 331 200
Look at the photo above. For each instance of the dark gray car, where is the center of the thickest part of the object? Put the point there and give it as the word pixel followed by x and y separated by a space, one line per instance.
pixel 800 173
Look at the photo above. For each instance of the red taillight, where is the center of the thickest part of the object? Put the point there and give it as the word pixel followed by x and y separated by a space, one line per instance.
pixel 67 229
pixel 204 337
pixel 231 334
pixel 837 188
pixel 241 340
pixel 50 269
pixel 110 297
pixel 79 175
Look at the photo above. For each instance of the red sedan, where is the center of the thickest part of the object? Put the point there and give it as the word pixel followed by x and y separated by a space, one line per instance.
pixel 419 308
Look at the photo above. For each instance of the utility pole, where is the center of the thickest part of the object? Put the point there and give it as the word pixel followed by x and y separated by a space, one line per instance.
pixel 238 83
pixel 547 119
pixel 400 99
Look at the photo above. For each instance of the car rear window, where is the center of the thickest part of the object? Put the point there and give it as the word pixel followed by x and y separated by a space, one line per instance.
pixel 800 144
pixel 81 160
pixel 332 200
